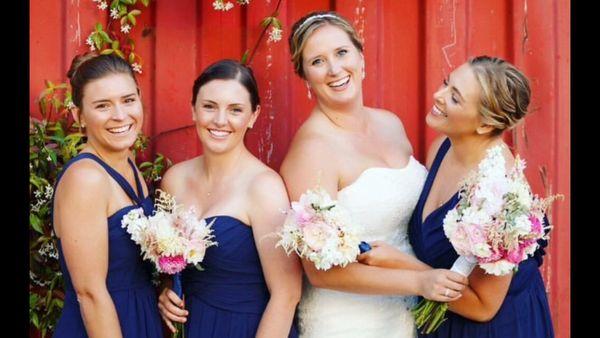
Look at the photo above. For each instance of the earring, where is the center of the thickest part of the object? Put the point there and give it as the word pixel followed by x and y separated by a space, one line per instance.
pixel 308 89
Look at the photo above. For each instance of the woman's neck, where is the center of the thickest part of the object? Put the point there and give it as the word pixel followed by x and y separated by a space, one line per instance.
pixel 216 167
pixel 349 117
pixel 469 151
pixel 117 160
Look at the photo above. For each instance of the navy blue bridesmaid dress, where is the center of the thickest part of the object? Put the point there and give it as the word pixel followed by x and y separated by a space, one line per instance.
pixel 228 297
pixel 523 314
pixel 129 277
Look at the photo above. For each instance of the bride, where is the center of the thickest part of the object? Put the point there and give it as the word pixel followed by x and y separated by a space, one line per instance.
pixel 362 157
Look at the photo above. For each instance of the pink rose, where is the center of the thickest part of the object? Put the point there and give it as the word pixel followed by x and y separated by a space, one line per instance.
pixel 303 216
pixel 171 265
pixel 494 257
pixel 315 235
pixel 515 256
pixel 536 225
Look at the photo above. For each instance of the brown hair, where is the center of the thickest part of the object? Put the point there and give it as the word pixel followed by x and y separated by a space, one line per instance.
pixel 505 92
pixel 91 66
pixel 304 27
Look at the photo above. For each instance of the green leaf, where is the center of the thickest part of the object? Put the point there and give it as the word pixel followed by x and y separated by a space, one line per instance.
pixel 114 4
pixel 119 53
pixel 266 21
pixel 97 40
pixel 36 223
pixel 135 12
pixel 123 20
pixel 131 18
pixel 35 320
pixel 276 23
pixel 115 44
pixel 98 26
pixel 33 299
pixel 53 157
pixel 107 51
pixel 122 10
pixel 245 57
pixel 146 2
pixel 131 57
pixel 105 37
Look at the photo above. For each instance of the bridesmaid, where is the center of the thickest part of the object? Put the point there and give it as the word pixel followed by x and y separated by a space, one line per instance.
pixel 108 292
pixel 475 105
pixel 248 288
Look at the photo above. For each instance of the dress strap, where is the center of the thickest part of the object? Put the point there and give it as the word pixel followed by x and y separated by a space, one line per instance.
pixel 138 183
pixel 439 157
pixel 112 172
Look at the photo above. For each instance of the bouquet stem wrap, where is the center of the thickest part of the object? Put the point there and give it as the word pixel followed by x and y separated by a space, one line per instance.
pixel 464 265
pixel 178 289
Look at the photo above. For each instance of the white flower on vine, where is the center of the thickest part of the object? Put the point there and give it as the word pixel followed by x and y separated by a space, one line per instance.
pixel 219 5
pixel 71 105
pixel 48 192
pixel 90 43
pixel 136 67
pixel 102 5
pixel 125 28
pixel 114 13
pixel 275 34
pixel 158 178
pixel 48 158
pixel 37 194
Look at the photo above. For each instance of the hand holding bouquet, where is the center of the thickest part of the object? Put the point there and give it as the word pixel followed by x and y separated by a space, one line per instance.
pixel 496 224
pixel 172 238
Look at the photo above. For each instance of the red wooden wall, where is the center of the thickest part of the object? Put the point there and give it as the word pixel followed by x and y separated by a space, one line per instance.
pixel 409 47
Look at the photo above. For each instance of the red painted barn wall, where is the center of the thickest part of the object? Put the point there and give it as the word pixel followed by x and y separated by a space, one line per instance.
pixel 410 46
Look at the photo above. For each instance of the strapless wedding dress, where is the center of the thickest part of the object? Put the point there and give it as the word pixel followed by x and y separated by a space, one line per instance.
pixel 381 200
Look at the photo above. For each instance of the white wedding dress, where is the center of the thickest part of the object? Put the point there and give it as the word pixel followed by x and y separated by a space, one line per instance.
pixel 382 201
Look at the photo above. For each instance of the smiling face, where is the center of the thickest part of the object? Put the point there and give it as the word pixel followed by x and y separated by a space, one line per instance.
pixel 333 66
pixel 455 110
pixel 111 112
pixel 223 113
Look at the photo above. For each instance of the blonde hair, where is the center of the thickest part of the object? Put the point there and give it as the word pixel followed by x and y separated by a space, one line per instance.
pixel 304 28
pixel 505 92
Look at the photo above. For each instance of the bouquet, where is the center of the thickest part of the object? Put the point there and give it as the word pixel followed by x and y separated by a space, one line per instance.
pixel 317 228
pixel 171 238
pixel 496 224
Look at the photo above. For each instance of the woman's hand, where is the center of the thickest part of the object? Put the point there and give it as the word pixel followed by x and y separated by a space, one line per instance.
pixel 384 255
pixel 171 308
pixel 442 285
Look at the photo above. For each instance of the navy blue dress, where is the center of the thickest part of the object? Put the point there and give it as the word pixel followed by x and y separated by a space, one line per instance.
pixel 227 298
pixel 128 277
pixel 523 314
